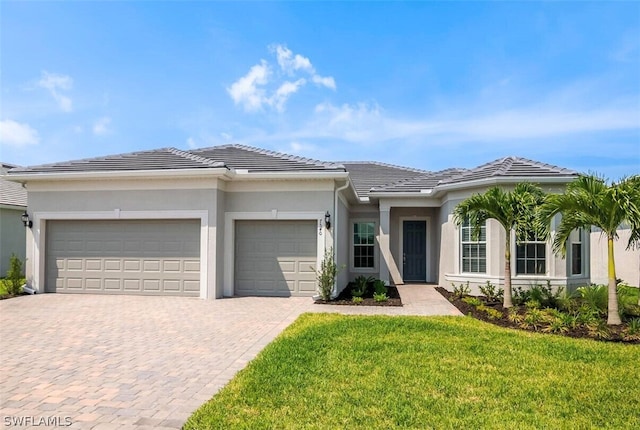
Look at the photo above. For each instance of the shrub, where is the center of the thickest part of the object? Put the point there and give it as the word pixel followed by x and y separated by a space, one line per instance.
pixel 533 318
pixel 492 314
pixel 520 296
pixel 461 290
pixel 473 301
pixel 532 304
pixel 586 315
pixel 15 276
pixel 632 332
pixel 361 285
pixel 491 292
pixel 514 316
pixel 379 287
pixel 545 295
pixel 599 329
pixel 327 274
pixel 594 297
pixel 380 297
pixel 357 300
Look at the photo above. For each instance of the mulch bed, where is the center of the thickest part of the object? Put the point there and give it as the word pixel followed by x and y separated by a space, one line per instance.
pixel 345 298
pixel 578 332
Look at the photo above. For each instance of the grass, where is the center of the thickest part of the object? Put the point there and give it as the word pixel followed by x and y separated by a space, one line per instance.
pixel 336 371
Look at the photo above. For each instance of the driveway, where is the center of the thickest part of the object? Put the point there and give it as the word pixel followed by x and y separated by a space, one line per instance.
pixel 111 362
pixel 122 362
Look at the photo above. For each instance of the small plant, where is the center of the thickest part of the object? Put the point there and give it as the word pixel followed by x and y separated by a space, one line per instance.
pixel 586 315
pixel 599 329
pixel 379 287
pixel 361 285
pixel 520 296
pixel 514 316
pixel 594 297
pixel 534 318
pixel 473 301
pixel 380 297
pixel 461 290
pixel 532 304
pixel 327 274
pixel 14 276
pixel 556 325
pixel 492 314
pixel 491 292
pixel 632 332
pixel 357 300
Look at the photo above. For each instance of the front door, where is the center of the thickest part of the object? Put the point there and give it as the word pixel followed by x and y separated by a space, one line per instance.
pixel 414 249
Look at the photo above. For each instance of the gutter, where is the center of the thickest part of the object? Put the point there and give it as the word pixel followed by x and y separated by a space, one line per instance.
pixel 118 174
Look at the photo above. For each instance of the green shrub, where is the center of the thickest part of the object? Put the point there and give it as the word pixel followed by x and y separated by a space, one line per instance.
pixel 533 318
pixel 461 290
pixel 379 287
pixel 599 329
pixel 327 274
pixel 380 297
pixel 15 276
pixel 520 296
pixel 473 301
pixel 545 295
pixel 491 292
pixel 357 300
pixel 361 285
pixel 492 314
pixel 595 297
pixel 532 304
pixel 586 315
pixel 632 332
pixel 515 316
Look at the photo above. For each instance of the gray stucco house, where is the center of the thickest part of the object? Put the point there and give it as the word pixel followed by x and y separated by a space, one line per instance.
pixel 13 203
pixel 237 220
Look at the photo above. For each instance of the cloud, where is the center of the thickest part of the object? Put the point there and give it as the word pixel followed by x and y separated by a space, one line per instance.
pixel 267 87
pixel 17 134
pixel 245 91
pixel 55 84
pixel 101 126
pixel 191 143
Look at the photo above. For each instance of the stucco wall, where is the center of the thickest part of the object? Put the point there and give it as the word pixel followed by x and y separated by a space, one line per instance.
pixel 12 237
pixel 627 261
pixel 342 245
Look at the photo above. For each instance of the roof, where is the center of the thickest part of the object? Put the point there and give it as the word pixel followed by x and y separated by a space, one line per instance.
pixel 426 181
pixel 229 156
pixel 12 193
pixel 366 175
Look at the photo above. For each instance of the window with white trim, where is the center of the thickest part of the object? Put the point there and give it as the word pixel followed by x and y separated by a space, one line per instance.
pixel 531 257
pixel 364 244
pixel 576 252
pixel 473 252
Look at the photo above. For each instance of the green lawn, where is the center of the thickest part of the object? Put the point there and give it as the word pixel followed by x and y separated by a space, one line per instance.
pixel 335 371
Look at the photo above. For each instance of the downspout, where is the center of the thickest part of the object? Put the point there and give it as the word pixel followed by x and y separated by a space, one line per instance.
pixel 335 230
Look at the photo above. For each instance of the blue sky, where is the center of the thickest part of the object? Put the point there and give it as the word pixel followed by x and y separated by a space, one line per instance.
pixel 423 84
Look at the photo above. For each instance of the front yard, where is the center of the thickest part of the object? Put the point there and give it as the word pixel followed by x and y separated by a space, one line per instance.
pixel 334 371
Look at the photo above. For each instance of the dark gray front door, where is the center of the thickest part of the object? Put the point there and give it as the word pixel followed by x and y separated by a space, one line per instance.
pixel 414 244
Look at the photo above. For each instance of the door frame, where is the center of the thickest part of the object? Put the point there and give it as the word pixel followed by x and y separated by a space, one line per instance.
pixel 427 222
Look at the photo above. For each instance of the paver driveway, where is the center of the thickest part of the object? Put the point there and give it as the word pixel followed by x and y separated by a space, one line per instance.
pixel 103 362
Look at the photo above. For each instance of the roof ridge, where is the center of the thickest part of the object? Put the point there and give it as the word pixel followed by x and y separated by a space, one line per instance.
pixel 383 164
pixel 194 157
pixel 426 174
pixel 545 165
pixel 505 165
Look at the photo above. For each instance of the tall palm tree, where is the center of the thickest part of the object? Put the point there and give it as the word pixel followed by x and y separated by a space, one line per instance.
pixel 590 201
pixel 515 210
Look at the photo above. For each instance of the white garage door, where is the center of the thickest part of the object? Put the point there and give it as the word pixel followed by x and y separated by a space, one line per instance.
pixel 156 257
pixel 275 258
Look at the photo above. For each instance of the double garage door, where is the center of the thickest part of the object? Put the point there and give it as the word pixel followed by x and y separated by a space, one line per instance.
pixel 154 257
pixel 275 258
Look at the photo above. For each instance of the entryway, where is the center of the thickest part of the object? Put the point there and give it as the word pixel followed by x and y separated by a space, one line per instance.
pixel 414 250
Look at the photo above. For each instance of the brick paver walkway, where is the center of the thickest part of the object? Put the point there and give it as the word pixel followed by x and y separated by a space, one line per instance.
pixel 121 362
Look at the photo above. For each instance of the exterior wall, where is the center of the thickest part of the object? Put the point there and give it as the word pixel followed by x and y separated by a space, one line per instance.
pixel 342 245
pixel 627 261
pixel 12 236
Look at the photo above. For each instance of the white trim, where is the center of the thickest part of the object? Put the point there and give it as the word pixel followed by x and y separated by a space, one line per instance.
pixel 427 221
pixel 376 246
pixel 39 237
pixel 121 174
pixel 229 237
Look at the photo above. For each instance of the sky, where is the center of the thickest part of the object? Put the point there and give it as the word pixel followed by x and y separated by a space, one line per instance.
pixel 430 85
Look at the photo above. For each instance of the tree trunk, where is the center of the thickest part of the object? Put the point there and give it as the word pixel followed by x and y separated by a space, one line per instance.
pixel 613 317
pixel 508 301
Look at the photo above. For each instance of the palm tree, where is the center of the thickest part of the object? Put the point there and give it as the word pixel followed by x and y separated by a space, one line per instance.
pixel 590 201
pixel 515 210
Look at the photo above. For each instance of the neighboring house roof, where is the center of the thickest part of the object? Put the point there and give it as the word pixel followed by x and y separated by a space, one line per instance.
pixel 366 175
pixel 11 193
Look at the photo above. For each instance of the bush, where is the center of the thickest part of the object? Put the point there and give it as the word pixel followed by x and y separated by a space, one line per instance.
pixel 492 314
pixel 461 290
pixel 15 276
pixel 491 292
pixel 361 285
pixel 473 301
pixel 520 296
pixel 379 287
pixel 327 274
pixel 594 297
pixel 380 297
pixel 357 300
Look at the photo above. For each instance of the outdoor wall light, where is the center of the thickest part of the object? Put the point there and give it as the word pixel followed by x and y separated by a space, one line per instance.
pixel 25 220
pixel 327 220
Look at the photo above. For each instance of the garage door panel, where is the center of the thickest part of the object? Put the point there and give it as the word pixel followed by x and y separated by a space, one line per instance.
pixel 127 257
pixel 273 257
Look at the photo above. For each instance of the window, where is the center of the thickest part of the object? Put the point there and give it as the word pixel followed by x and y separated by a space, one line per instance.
pixel 576 252
pixel 531 257
pixel 474 251
pixel 363 245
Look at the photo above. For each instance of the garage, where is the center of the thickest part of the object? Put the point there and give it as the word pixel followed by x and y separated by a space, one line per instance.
pixel 275 258
pixel 151 257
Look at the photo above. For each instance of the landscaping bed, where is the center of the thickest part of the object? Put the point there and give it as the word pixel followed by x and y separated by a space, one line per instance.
pixel 581 322
pixel 362 292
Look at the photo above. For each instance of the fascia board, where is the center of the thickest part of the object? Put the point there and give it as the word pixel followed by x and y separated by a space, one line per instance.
pixel 120 174
pixel 241 175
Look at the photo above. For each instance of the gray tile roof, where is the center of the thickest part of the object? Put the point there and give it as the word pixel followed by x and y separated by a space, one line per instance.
pixel 426 181
pixel 241 157
pixel 12 193
pixel 366 175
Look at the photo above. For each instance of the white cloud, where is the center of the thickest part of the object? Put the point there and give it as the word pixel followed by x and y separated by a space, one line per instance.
pixel 17 134
pixel 101 126
pixel 226 136
pixel 245 91
pixel 262 87
pixel 55 84
pixel 191 143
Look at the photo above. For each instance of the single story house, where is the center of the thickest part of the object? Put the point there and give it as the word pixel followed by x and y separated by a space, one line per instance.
pixel 237 220
pixel 13 203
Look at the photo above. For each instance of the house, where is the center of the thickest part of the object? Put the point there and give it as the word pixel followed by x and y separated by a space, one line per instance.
pixel 13 203
pixel 237 220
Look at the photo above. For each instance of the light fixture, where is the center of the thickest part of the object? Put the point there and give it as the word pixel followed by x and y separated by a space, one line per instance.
pixel 25 220
pixel 327 220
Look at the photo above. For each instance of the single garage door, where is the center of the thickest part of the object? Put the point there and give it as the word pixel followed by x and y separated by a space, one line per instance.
pixel 275 258
pixel 155 257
